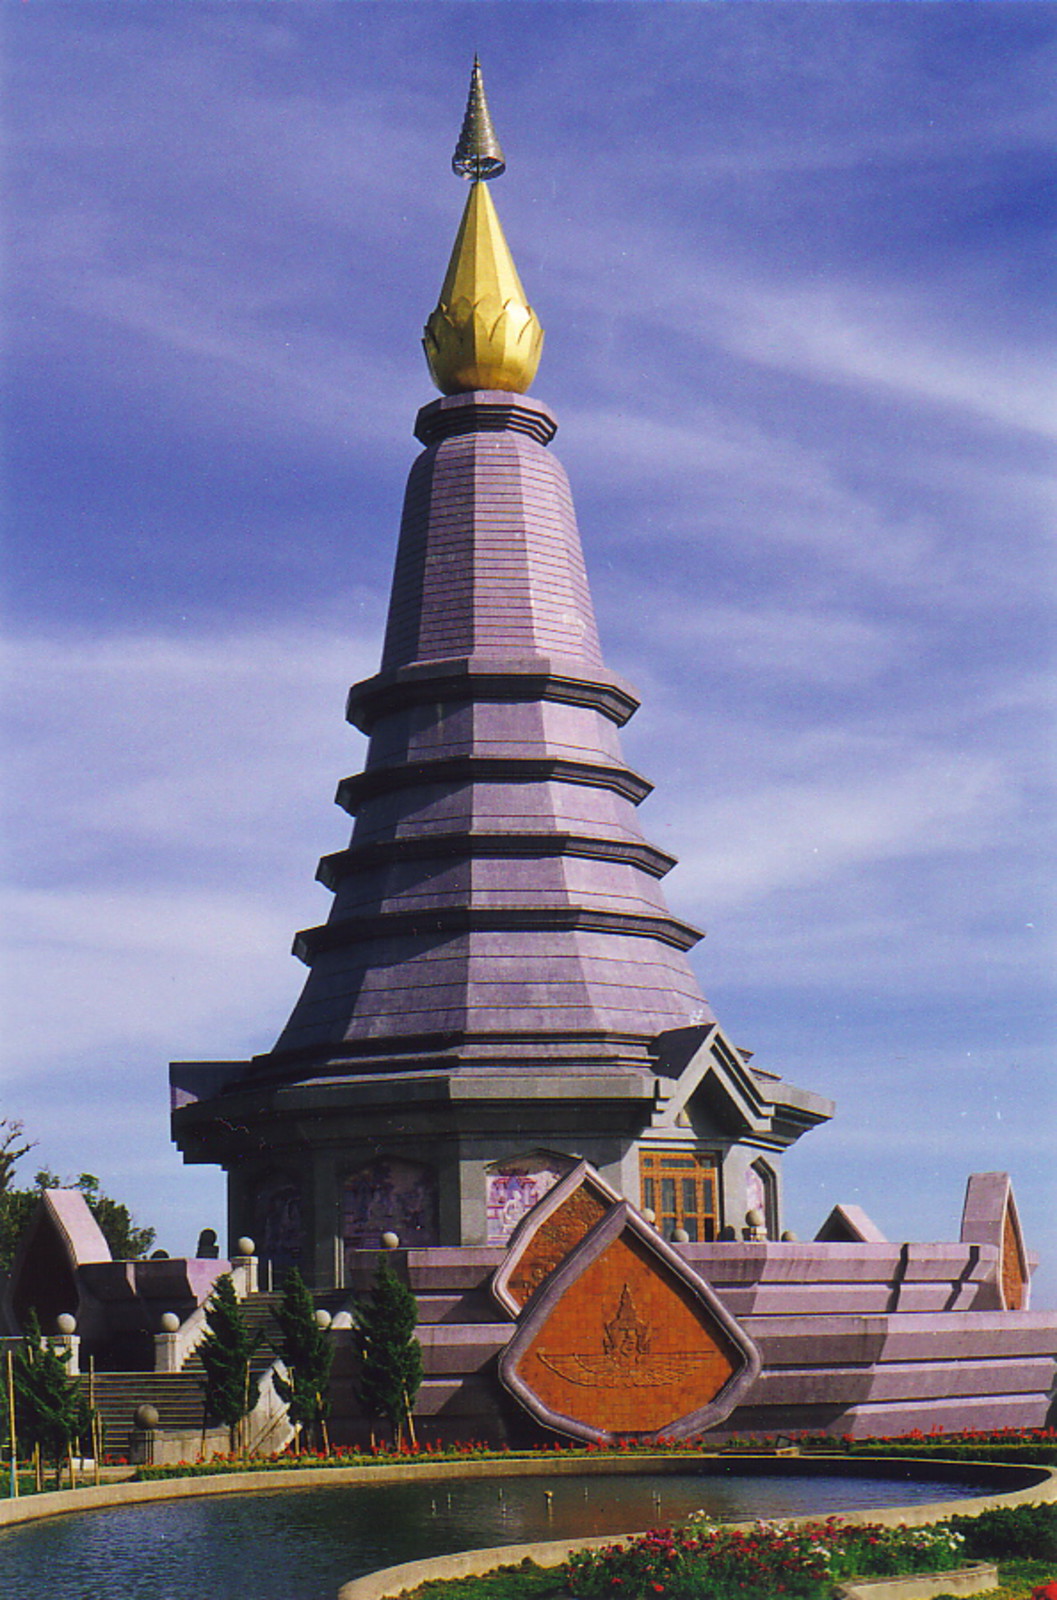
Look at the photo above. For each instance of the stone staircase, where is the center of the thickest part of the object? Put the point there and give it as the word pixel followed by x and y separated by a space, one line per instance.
pixel 177 1396
pixel 460 1329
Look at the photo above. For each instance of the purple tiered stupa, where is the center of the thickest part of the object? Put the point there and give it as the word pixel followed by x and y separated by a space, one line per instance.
pixel 498 903
pixel 500 989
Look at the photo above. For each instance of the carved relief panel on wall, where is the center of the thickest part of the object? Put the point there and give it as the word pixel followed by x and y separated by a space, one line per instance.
pixel 514 1186
pixel 389 1196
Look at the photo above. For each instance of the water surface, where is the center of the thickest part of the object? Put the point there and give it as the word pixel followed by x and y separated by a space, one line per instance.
pixel 303 1544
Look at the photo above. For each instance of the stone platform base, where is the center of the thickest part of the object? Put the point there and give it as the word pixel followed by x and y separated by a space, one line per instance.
pixel 858 1339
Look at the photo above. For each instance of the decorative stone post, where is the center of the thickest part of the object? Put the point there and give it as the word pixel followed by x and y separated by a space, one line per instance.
pixel 166 1344
pixel 245 1260
pixel 755 1229
pixel 144 1425
pixel 68 1339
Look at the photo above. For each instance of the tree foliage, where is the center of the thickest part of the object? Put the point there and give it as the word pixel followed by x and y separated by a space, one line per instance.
pixel 390 1355
pixel 17 1207
pixel 51 1410
pixel 11 1149
pixel 229 1386
pixel 307 1352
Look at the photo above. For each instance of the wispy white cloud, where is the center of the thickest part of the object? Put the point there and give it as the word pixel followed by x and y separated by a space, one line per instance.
pixel 158 842
pixel 889 342
pixel 791 644
pixel 792 834
pixel 856 329
pixel 141 974
pixel 205 748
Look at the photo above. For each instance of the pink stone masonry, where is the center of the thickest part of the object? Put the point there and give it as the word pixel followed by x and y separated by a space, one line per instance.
pixel 497 900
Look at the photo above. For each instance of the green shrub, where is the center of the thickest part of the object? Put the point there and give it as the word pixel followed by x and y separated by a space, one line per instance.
pixel 1011 1532
pixel 390 1356
pixel 308 1353
pixel 230 1390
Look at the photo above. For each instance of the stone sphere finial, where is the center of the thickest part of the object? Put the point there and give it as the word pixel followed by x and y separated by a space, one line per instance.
pixel 323 1318
pixel 66 1323
pixel 245 1246
pixel 145 1417
pixel 390 1241
pixel 170 1322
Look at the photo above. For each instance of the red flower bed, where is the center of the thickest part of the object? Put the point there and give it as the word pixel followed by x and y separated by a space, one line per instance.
pixel 758 1563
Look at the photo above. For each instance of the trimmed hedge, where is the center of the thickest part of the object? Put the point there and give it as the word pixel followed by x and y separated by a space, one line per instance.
pixel 1010 1532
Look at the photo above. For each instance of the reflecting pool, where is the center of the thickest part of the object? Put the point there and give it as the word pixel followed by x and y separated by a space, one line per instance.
pixel 303 1544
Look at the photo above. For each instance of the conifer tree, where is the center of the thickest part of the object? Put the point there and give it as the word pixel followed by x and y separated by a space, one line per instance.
pixel 307 1352
pixel 390 1355
pixel 51 1410
pixel 230 1389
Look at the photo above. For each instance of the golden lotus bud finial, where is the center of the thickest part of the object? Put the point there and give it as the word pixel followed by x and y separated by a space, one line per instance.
pixel 483 333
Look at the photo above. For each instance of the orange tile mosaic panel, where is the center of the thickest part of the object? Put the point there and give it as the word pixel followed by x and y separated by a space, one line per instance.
pixel 554 1239
pixel 627 1349
pixel 1014 1277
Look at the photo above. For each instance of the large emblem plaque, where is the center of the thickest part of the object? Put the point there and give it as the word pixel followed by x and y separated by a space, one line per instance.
pixel 624 1340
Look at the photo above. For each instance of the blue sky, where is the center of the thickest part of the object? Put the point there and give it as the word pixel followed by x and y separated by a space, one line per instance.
pixel 793 261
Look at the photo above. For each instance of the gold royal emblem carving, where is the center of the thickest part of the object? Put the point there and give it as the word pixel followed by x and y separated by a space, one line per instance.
pixel 625 1357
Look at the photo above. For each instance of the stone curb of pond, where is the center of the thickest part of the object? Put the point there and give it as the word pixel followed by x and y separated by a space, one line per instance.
pixel 390 1582
pixel 976 1578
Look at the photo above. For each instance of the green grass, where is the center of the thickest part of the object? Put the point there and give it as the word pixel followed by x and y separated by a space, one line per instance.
pixel 1041 1452
pixel 1018 1578
pixel 523 1582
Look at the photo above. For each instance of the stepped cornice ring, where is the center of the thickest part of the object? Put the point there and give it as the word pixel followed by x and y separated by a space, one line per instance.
pixel 462 771
pixel 448 921
pixel 465 845
pixel 485 411
pixel 529 678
